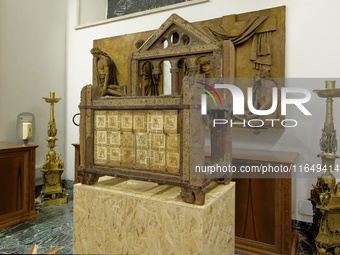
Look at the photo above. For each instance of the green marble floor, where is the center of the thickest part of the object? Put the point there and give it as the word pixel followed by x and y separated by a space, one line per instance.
pixel 52 229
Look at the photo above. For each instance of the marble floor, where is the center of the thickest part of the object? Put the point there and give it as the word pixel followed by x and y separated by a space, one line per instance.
pixel 52 229
pixel 306 246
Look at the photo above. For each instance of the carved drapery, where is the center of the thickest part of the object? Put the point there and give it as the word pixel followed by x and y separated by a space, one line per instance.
pixel 243 35
pixel 260 51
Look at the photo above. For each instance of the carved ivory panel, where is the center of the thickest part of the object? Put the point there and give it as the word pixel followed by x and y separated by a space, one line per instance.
pixel 137 139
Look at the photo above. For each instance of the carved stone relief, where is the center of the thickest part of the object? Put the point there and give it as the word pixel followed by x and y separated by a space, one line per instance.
pixel 258 37
pixel 105 76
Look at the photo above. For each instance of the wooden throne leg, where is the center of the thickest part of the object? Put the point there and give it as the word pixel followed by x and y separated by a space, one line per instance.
pixel 87 178
pixel 226 181
pixel 196 196
pixel 90 178
pixel 199 197
pixel 187 195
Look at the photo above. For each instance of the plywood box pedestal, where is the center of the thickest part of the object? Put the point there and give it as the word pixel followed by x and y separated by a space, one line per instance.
pixel 117 216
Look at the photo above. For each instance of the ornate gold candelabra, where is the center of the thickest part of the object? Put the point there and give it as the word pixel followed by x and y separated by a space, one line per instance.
pixel 52 191
pixel 325 195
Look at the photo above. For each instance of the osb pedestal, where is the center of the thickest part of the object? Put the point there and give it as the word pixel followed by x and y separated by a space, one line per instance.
pixel 117 216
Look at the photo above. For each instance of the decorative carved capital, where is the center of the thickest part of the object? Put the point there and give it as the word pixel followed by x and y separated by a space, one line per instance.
pixel 174 70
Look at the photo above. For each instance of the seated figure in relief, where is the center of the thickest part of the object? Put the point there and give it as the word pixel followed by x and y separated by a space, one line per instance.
pixel 204 67
pixel 105 73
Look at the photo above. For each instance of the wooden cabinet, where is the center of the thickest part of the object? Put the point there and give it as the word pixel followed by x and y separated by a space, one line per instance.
pixel 263 205
pixel 17 183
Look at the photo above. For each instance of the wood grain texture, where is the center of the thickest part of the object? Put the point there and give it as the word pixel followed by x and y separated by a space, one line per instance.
pixel 117 216
pixel 17 183
pixel 263 205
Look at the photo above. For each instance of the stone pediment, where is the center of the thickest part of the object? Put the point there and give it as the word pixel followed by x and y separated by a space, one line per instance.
pixel 175 36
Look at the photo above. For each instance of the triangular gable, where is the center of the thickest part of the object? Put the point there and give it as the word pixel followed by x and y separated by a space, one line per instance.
pixel 176 23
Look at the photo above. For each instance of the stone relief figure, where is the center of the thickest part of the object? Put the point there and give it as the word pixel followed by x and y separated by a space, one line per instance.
pixel 262 96
pixel 204 67
pixel 263 91
pixel 105 73
pixel 150 81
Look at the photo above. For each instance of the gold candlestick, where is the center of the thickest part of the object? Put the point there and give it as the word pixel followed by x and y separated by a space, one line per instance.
pixel 325 196
pixel 328 142
pixel 52 191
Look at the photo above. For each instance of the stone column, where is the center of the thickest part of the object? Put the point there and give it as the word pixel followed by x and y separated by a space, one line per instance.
pixel 174 76
pixel 156 72
pixel 192 66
